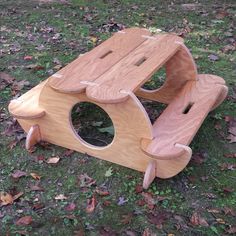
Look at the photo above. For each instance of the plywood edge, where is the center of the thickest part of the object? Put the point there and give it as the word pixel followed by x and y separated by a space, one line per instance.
pixel 27 106
pixel 148 147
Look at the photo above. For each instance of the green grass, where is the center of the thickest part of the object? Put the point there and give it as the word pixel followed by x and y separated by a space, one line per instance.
pixel 25 27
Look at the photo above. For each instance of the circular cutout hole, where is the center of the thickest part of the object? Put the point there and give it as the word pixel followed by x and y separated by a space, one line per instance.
pixel 156 81
pixel 92 124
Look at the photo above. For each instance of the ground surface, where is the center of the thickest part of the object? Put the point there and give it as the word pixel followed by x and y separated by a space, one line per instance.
pixel 81 195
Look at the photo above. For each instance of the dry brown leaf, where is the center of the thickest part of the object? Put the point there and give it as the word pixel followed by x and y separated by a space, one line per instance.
pixel 53 160
pixel 231 230
pixel 91 203
pixel 6 78
pixel 25 220
pixel 60 197
pixel 35 176
pixel 18 173
pixel 17 195
pixel 196 219
pixel 5 198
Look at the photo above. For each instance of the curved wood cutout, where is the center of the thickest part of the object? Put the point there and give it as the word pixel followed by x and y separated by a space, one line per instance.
pixel 26 107
pixel 169 168
pixel 32 137
pixel 179 69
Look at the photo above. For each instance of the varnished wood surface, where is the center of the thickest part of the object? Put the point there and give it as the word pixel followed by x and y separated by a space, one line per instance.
pixel 26 106
pixel 179 69
pixel 128 74
pixel 173 126
pixel 110 79
pixel 94 63
pixel 33 137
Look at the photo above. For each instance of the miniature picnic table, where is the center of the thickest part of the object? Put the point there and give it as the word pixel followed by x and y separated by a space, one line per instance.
pixel 111 76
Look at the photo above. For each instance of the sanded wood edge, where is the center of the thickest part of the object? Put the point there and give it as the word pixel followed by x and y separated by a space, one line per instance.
pixel 221 98
pixel 27 105
pixel 33 137
pixel 168 168
pixel 150 174
pixel 16 111
pixel 175 153
pixel 180 68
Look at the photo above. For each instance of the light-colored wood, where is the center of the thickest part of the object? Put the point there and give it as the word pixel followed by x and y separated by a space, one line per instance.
pixel 173 126
pixel 179 69
pixel 94 63
pixel 150 174
pixel 32 137
pixel 128 74
pixel 26 106
pixel 158 150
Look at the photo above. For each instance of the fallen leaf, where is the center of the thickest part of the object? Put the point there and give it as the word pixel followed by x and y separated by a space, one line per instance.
pixel 102 192
pixel 196 220
pixel 70 207
pixel 213 210
pixel 109 172
pixel 38 206
pixel 228 166
pixel 126 219
pixel 36 188
pixel 16 196
pixel 198 158
pixel 6 78
pixel 60 197
pixel 68 153
pixel 28 58
pixel 18 173
pixel 122 201
pixel 229 211
pixel 86 181
pixel 148 198
pixel 35 176
pixel 231 138
pixel 25 220
pixel 5 198
pixel 53 160
pixel 213 57
pixel 159 218
pixel 138 188
pixel 232 130
pixel 91 203
pixel 230 155
pixel 231 230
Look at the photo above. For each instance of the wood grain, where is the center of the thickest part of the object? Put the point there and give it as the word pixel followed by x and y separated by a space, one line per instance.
pixel 128 74
pixel 27 107
pixel 150 174
pixel 179 69
pixel 109 76
pixel 94 63
pixel 173 126
pixel 32 137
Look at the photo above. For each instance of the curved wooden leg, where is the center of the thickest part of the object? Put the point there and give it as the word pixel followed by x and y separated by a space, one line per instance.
pixel 150 174
pixel 32 137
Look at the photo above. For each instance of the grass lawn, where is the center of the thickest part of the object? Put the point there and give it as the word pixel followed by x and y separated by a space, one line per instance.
pixel 37 38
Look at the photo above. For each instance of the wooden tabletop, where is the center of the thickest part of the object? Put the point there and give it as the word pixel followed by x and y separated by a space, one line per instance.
pixel 118 66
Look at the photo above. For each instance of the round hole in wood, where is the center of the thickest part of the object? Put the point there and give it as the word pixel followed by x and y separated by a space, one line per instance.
pixel 156 81
pixel 92 124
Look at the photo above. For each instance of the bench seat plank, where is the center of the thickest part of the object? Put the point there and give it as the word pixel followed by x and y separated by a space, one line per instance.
pixel 97 61
pixel 134 70
pixel 181 120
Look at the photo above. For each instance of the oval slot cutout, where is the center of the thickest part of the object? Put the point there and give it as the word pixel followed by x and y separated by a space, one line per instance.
pixel 105 54
pixel 140 61
pixel 188 108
